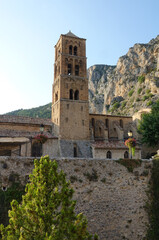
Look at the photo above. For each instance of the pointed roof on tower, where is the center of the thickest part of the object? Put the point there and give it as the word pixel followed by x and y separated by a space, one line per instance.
pixel 70 34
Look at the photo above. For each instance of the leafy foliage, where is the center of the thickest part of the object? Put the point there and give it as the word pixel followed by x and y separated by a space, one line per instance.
pixel 15 191
pixel 153 207
pixel 139 90
pixel 131 92
pixel 130 164
pixel 115 106
pixel 47 209
pixel 123 104
pixel 131 143
pixel 40 112
pixel 141 79
pixel 149 126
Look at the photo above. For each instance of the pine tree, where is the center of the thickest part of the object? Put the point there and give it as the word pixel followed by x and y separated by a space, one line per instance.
pixel 47 211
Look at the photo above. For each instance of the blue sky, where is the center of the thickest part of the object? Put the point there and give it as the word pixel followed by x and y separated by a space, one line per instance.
pixel 29 29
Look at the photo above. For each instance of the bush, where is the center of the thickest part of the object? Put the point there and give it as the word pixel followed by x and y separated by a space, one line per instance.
pixel 148 91
pixel 139 90
pixel 131 92
pixel 149 103
pixel 115 106
pixel 141 79
pixel 123 104
pixel 145 97
pixel 150 95
pixel 137 99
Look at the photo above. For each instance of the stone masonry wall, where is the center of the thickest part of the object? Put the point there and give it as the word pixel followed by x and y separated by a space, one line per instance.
pixel 112 198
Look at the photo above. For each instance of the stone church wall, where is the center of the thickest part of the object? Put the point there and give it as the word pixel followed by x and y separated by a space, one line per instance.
pixel 112 198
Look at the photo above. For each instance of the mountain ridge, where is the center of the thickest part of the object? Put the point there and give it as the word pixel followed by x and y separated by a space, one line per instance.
pixel 121 89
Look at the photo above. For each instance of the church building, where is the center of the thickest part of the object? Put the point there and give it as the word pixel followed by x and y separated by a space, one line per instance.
pixel 72 131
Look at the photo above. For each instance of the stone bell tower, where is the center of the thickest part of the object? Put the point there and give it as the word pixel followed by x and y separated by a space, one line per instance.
pixel 70 108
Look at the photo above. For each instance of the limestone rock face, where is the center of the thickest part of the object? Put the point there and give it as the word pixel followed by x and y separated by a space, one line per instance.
pixel 130 85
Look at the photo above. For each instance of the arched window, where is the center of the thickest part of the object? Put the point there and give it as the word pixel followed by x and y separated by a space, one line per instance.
pixel 77 70
pixel 71 94
pixel 75 51
pixel 56 96
pixel 106 123
pixel 69 69
pixel 76 95
pixel 70 49
pixel 93 122
pixel 109 154
pixel 55 71
pixel 59 70
pixel 126 154
pixel 121 123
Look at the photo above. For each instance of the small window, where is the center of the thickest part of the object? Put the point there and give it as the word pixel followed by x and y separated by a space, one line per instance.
pixel 121 123
pixel 100 131
pixel 77 70
pixel 76 95
pixel 75 51
pixel 83 122
pixel 36 149
pixel 106 123
pixel 71 94
pixel 56 96
pixel 69 69
pixel 126 154
pixel 75 150
pixel 93 122
pixel 109 154
pixel 70 49
pixel 67 106
pixel 55 71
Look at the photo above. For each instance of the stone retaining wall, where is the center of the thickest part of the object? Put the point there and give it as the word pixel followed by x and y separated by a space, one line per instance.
pixel 112 198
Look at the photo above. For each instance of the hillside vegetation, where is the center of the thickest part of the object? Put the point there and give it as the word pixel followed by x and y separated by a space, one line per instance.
pixel 38 112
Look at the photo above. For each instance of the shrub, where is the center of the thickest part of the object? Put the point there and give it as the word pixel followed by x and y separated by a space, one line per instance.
pixel 150 95
pixel 145 97
pixel 141 79
pixel 130 164
pixel 139 90
pixel 148 91
pixel 131 92
pixel 123 104
pixel 149 103
pixel 115 106
pixel 137 99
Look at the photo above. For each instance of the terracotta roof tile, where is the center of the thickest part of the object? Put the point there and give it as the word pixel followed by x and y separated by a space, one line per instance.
pixel 26 120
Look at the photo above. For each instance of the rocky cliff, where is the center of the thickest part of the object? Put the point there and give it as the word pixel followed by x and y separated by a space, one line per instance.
pixel 130 85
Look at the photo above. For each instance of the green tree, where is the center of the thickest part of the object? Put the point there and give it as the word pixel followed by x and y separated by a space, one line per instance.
pixel 47 209
pixel 149 126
